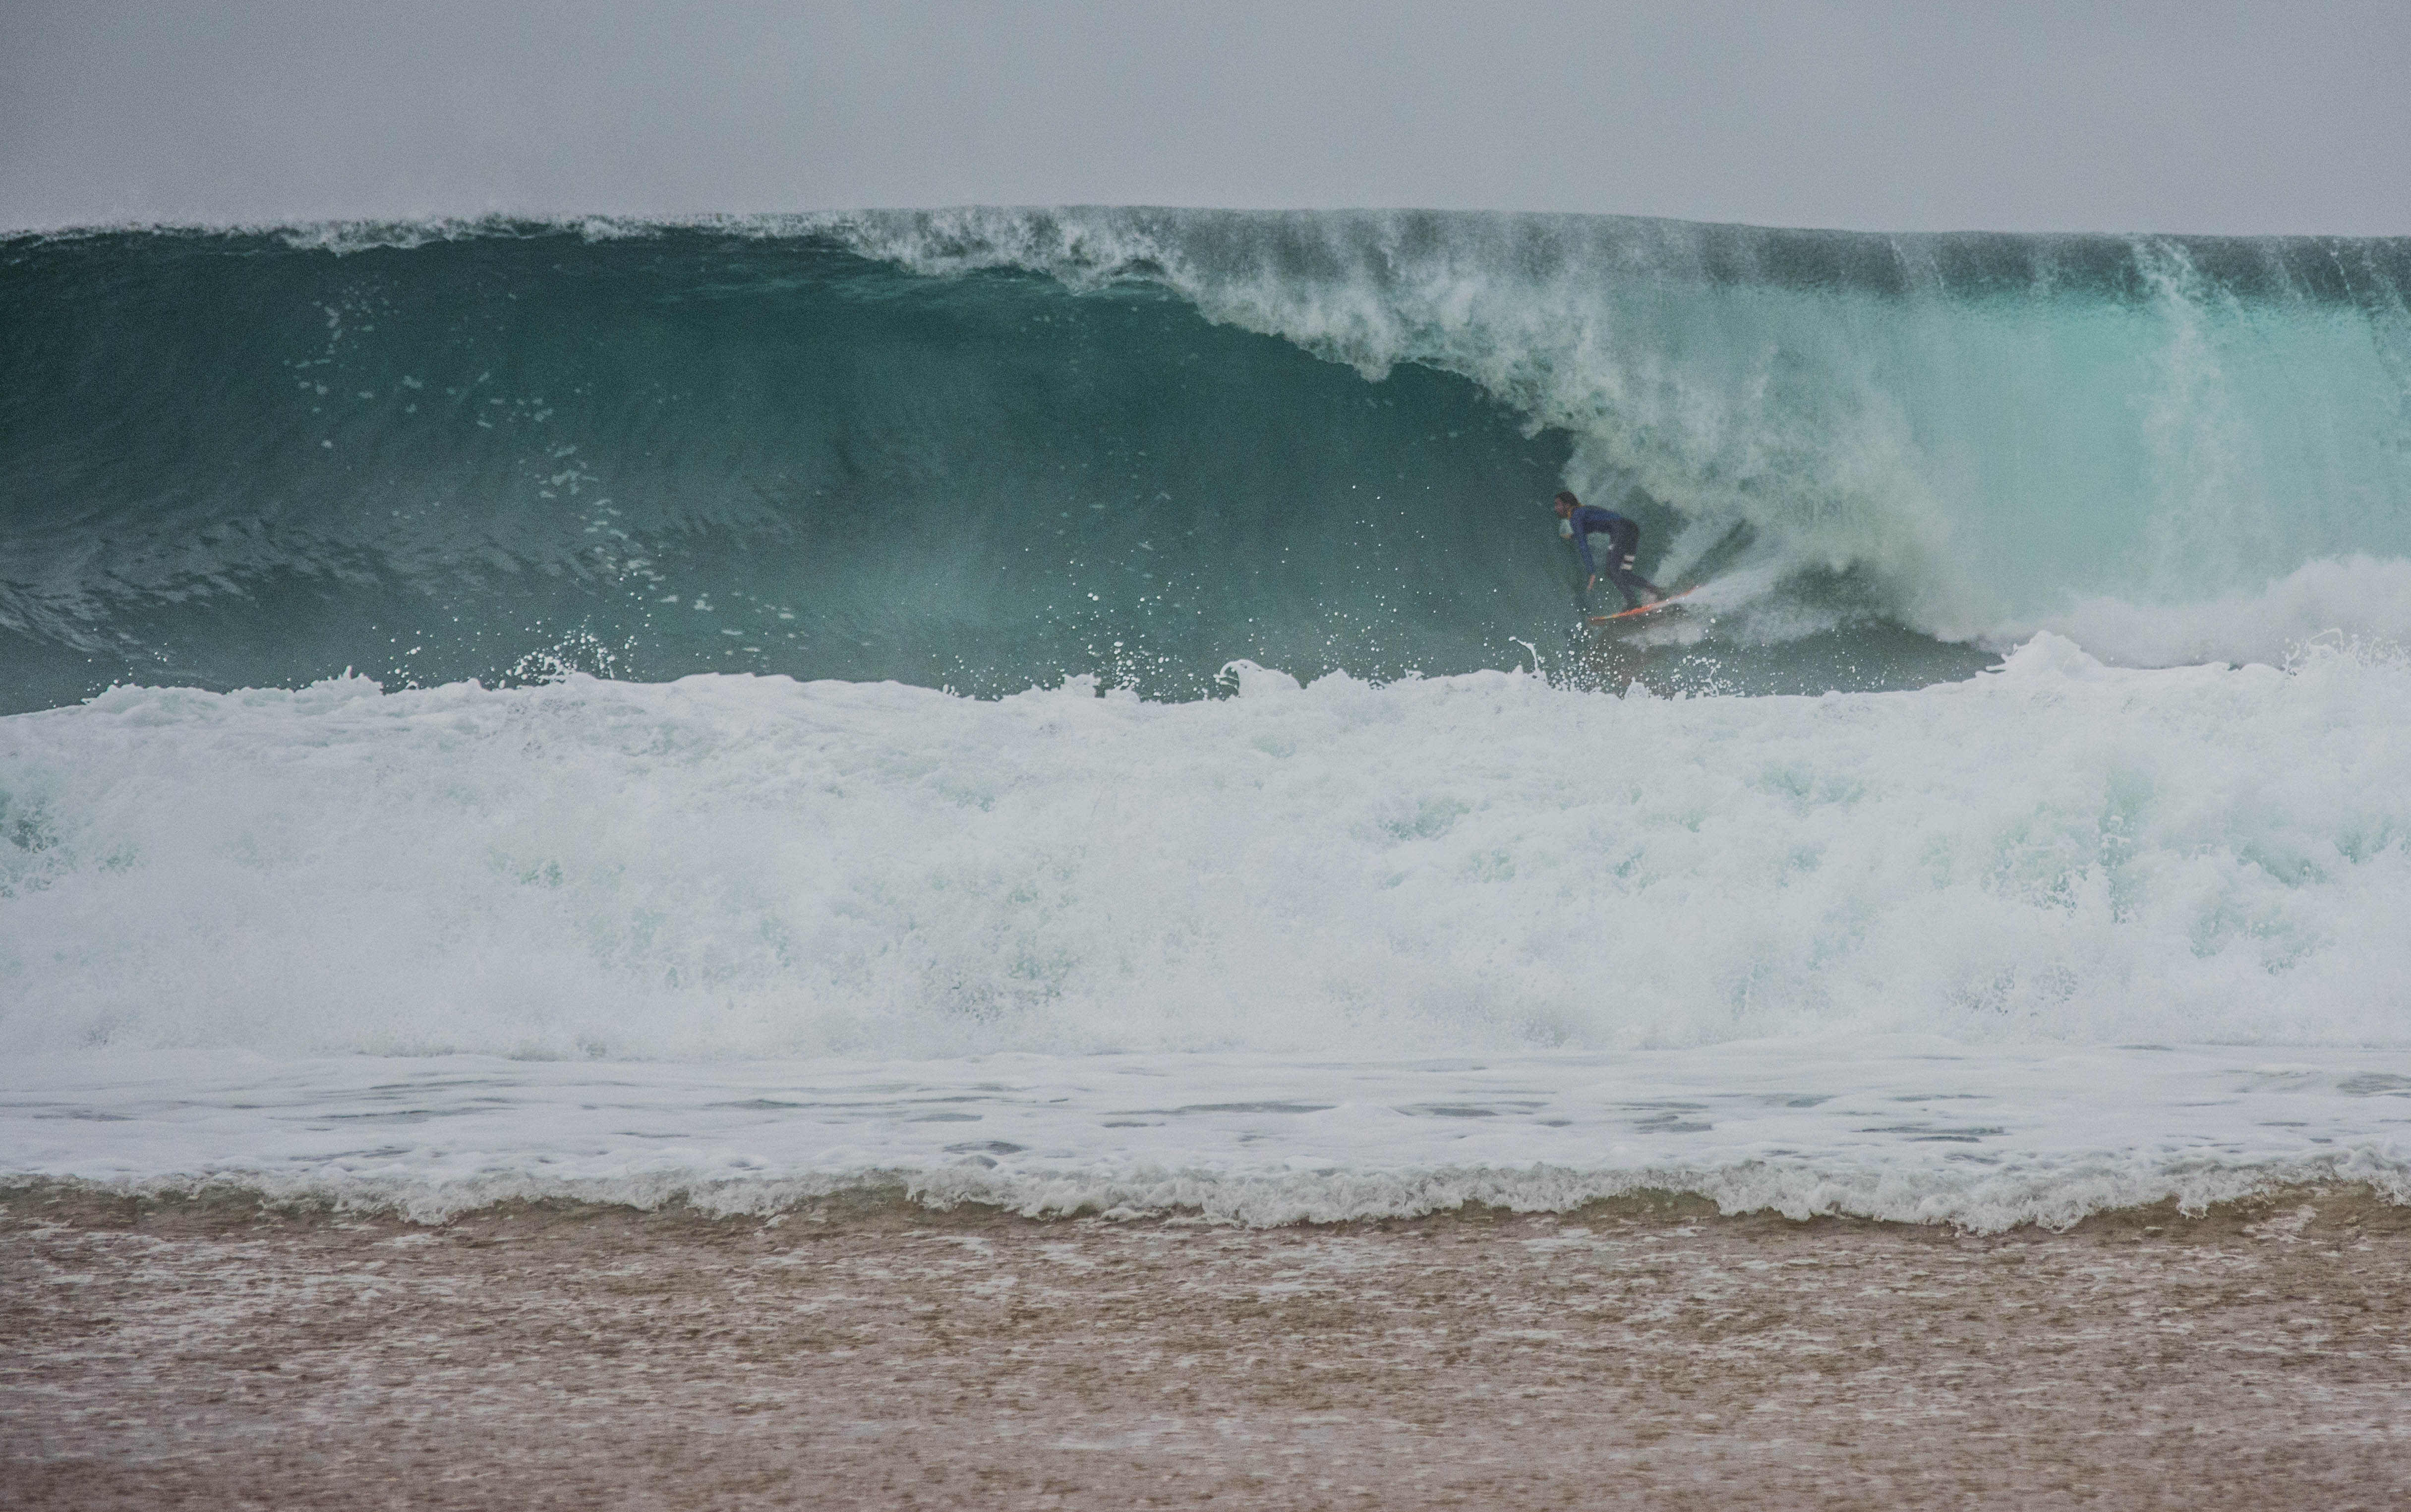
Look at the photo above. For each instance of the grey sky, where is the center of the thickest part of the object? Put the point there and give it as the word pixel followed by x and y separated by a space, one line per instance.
pixel 1864 113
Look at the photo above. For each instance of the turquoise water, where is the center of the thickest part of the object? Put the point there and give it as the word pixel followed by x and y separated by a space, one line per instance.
pixel 989 452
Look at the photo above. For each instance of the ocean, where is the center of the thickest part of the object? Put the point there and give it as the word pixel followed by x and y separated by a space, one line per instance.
pixel 1088 711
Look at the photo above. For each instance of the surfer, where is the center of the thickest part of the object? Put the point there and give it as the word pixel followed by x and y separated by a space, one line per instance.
pixel 1578 522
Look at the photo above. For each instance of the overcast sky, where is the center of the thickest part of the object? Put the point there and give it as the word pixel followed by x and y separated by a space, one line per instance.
pixel 2008 114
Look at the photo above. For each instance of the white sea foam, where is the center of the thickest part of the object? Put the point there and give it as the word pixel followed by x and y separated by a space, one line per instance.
pixel 1908 1129
pixel 726 886
pixel 740 866
pixel 2358 602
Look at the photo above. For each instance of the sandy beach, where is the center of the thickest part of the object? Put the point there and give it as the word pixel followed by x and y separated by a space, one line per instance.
pixel 870 1352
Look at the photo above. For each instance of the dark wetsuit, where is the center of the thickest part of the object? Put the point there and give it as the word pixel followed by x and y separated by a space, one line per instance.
pixel 1623 543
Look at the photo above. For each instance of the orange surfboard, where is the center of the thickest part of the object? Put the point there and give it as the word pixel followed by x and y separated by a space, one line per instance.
pixel 1647 608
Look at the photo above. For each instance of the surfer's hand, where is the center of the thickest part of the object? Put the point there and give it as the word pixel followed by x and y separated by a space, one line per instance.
pixel 1592 584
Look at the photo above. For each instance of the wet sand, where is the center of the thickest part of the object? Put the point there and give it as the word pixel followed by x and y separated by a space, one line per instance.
pixel 871 1353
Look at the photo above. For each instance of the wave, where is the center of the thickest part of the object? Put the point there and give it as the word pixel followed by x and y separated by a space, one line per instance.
pixel 984 449
pixel 1993 429
pixel 1110 675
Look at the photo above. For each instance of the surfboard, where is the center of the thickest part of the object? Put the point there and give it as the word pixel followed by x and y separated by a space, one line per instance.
pixel 1647 608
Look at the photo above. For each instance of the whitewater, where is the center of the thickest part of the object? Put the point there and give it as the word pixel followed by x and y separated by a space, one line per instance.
pixel 1087 710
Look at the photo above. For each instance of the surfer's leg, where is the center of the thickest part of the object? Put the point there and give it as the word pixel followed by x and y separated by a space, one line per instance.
pixel 1623 579
pixel 1620 557
pixel 1629 583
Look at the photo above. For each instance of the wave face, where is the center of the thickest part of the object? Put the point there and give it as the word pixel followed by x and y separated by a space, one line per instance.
pixel 985 450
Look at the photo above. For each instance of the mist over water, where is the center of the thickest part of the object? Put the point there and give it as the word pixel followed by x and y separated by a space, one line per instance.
pixel 1143 633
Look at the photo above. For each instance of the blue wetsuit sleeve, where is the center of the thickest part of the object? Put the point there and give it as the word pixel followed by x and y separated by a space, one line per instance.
pixel 1581 539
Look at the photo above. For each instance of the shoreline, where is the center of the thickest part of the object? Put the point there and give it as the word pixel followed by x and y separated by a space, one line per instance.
pixel 866 1350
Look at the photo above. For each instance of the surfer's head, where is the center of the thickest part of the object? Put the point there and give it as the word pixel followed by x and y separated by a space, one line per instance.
pixel 1566 505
